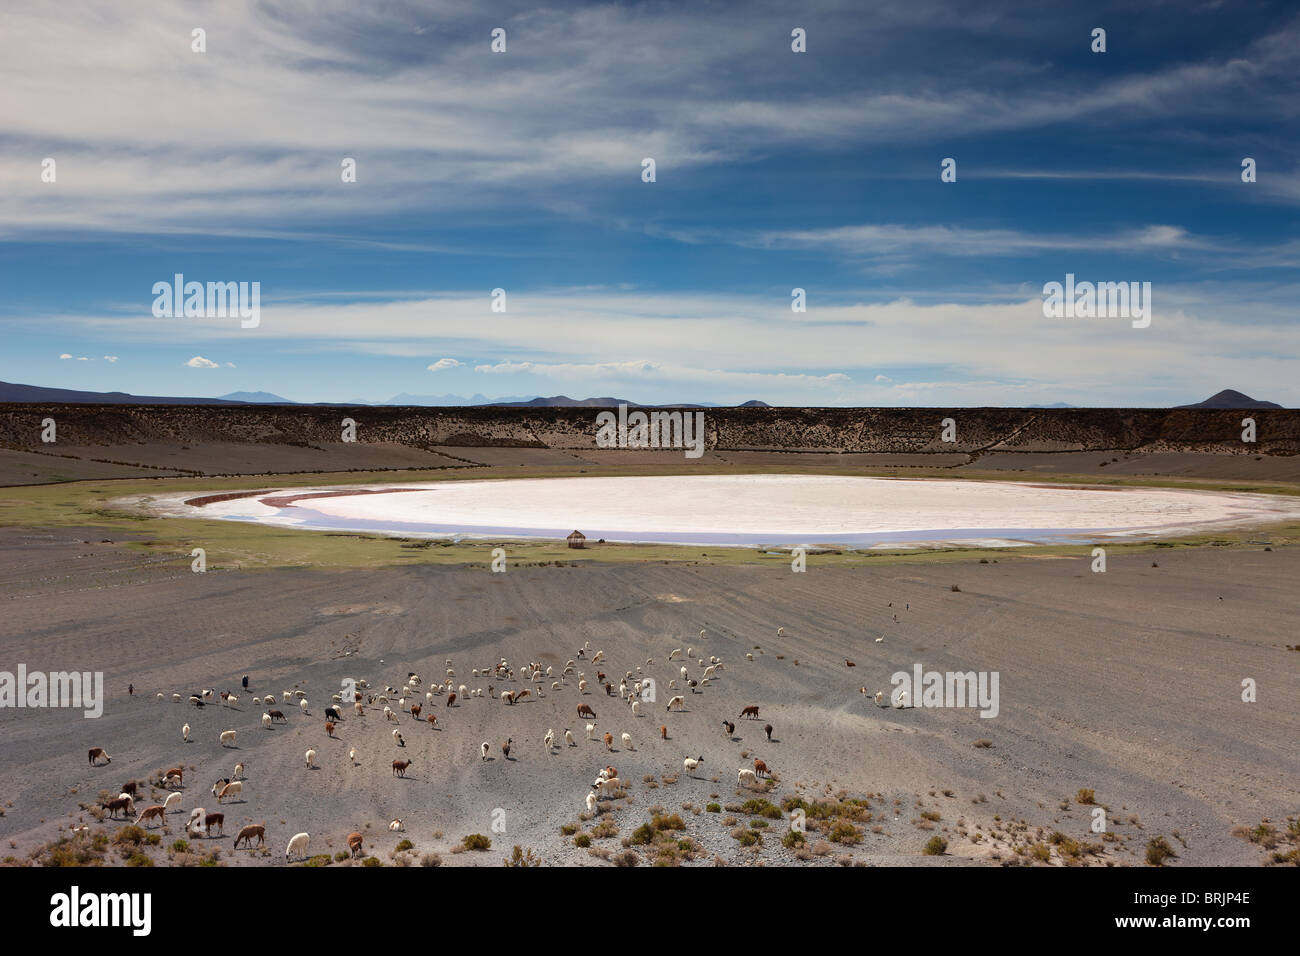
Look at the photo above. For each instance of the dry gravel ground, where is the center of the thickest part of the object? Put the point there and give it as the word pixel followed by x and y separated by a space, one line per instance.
pixel 157 459
pixel 1127 682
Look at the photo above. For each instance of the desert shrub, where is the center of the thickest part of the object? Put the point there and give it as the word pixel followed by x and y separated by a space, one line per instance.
pixel 129 836
pixel 668 822
pixel 935 846
pixel 844 832
pixel 582 840
pixel 403 846
pixel 714 808
pixel 519 857
pixel 1159 851
pixel 1065 846
pixel 1085 796
pixel 1265 835
pixel 793 839
pixel 760 808
pixel 65 852
pixel 477 841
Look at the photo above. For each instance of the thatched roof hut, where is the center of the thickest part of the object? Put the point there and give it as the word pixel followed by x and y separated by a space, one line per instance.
pixel 577 540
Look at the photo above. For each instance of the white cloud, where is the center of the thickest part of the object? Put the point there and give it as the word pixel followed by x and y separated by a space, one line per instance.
pixel 110 358
pixel 65 355
pixel 894 240
pixel 444 363
pixel 621 372
pixel 586 93
pixel 1203 336
pixel 200 362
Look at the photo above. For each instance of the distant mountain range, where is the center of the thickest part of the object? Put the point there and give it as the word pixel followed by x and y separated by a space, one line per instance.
pixel 563 401
pixel 406 398
pixel 256 398
pixel 1231 398
pixel 9 392
pixel 12 392
pixel 38 393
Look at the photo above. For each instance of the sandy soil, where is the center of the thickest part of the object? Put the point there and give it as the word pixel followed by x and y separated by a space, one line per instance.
pixel 159 458
pixel 1144 464
pixel 1126 682
pixel 35 468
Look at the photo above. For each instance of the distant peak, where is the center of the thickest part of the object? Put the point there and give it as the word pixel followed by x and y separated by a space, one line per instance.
pixel 1231 398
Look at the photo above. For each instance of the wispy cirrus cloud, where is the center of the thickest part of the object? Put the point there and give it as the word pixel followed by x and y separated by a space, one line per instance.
pixel 435 120
pixel 775 170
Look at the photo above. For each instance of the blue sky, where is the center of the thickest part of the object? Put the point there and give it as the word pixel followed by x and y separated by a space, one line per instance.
pixel 522 171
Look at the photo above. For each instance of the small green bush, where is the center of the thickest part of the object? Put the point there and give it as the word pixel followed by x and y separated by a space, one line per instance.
pixel 761 808
pixel 129 835
pixel 844 832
